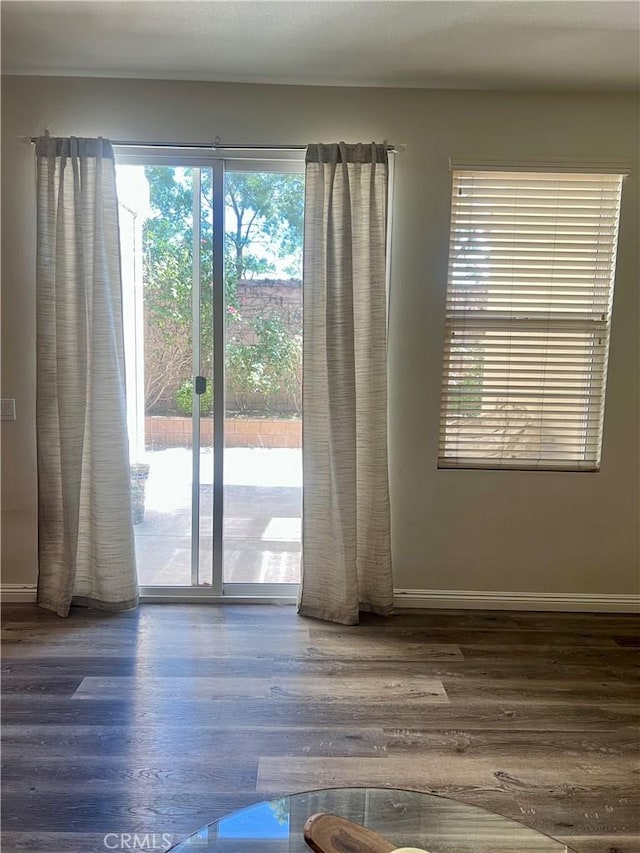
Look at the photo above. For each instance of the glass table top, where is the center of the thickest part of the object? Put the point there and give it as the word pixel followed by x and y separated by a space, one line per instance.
pixel 406 818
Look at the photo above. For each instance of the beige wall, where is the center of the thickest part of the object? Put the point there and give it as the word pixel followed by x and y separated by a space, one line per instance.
pixel 456 530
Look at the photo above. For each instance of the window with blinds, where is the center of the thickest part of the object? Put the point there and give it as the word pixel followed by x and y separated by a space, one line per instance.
pixel 530 285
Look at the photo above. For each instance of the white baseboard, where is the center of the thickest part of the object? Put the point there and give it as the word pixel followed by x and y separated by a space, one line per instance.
pixel 17 593
pixel 571 602
pixel 442 599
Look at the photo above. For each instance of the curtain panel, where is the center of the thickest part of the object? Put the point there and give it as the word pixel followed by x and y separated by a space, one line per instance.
pixel 346 516
pixel 86 544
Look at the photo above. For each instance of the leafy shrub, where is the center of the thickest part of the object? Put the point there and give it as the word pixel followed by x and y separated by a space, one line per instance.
pixel 184 398
pixel 264 369
pixel 263 362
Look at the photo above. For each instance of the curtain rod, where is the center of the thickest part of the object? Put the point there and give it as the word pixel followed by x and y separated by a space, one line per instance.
pixel 208 145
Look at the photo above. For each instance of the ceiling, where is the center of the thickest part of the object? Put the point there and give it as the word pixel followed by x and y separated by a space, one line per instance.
pixel 547 45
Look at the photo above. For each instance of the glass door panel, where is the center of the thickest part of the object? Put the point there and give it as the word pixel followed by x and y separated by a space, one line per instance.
pixel 263 364
pixel 204 401
pixel 166 234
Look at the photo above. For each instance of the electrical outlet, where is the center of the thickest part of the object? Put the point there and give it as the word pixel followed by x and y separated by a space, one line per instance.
pixel 8 410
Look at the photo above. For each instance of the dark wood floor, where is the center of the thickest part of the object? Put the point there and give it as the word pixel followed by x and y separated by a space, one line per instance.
pixel 163 719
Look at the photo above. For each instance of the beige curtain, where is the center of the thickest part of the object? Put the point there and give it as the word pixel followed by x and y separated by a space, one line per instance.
pixel 86 547
pixel 345 529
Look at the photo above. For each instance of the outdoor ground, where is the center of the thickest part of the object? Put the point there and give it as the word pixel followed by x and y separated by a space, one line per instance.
pixel 263 509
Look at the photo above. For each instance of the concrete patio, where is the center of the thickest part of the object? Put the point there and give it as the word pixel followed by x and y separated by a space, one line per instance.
pixel 263 510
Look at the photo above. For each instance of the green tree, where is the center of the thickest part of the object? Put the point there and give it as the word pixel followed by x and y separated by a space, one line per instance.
pixel 264 210
pixel 167 259
pixel 263 219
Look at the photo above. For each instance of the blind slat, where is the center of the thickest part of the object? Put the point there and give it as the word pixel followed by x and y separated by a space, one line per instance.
pixel 470 320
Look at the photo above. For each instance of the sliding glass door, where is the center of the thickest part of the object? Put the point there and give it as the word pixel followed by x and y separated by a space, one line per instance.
pixel 263 377
pixel 211 260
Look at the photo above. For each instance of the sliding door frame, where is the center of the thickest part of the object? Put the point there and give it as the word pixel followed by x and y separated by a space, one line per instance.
pixel 238 160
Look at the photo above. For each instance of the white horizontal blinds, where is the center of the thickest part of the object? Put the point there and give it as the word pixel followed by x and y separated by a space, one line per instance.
pixel 531 268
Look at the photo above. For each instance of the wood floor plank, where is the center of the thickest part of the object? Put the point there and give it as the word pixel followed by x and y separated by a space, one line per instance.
pixel 294 645
pixel 528 769
pixel 52 685
pixel 410 689
pixel 608 623
pixel 591 812
pixel 175 739
pixel 545 691
pixel 143 635
pixel 192 614
pixel 359 635
pixel 180 813
pixel 548 745
pixel 574 654
pixel 631 641
pixel 617 843
pixel 102 774
pixel 472 664
pixel 500 620
pixel 51 710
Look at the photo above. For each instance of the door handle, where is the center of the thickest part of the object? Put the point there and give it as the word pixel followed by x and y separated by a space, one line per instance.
pixel 200 385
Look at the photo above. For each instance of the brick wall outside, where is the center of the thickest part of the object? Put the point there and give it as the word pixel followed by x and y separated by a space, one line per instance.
pixel 162 432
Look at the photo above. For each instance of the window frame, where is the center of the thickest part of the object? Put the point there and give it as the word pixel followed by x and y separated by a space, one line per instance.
pixel 597 333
